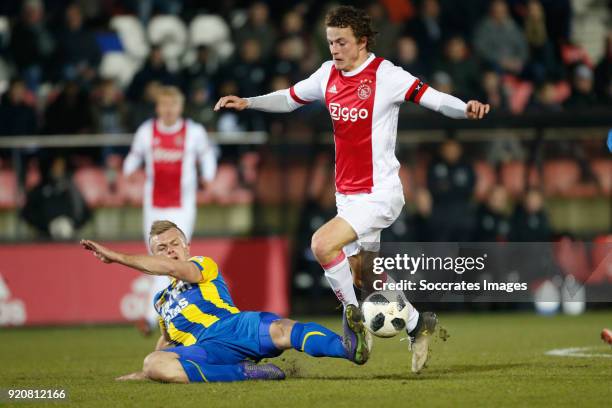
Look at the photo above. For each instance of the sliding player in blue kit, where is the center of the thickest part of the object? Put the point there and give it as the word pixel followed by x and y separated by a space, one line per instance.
pixel 205 338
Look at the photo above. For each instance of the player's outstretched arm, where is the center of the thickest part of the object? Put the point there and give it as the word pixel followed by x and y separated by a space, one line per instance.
pixel 149 264
pixel 453 107
pixel 275 102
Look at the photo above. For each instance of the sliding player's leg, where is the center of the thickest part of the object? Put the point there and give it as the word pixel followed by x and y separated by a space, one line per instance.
pixel 187 364
pixel 311 338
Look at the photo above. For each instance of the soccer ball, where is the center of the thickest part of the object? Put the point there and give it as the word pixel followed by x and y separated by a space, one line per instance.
pixel 384 313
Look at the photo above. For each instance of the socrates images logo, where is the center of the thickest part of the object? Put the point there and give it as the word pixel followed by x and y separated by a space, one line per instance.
pixel 12 311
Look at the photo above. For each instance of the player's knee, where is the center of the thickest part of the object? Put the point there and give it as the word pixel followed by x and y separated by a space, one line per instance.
pixel 153 366
pixel 320 247
pixel 280 333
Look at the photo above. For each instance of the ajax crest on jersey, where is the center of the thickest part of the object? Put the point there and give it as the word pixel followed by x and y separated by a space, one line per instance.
pixel 385 313
pixel 364 91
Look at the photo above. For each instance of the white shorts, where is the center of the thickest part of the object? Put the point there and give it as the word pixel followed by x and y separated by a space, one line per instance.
pixel 184 218
pixel 368 215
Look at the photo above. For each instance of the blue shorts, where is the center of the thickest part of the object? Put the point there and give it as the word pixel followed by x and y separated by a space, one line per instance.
pixel 243 336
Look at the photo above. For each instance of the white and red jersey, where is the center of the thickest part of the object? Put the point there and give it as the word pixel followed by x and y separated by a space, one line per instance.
pixel 170 155
pixel 364 106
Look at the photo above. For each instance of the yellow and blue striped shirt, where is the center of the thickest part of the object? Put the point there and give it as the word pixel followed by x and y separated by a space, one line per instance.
pixel 187 309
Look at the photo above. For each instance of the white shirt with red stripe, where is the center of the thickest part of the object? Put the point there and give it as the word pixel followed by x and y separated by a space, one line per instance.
pixel 170 155
pixel 364 106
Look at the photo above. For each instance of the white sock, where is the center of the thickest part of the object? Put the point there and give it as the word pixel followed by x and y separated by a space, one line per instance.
pixel 338 274
pixel 413 314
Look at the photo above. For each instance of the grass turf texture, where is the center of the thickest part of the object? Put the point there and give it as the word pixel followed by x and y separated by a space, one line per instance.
pixel 490 360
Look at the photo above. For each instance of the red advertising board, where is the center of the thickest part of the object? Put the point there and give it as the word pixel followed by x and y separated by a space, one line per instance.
pixel 60 283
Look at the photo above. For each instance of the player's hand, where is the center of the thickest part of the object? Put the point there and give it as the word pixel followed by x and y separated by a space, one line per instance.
pixel 231 102
pixel 132 377
pixel 477 110
pixel 101 252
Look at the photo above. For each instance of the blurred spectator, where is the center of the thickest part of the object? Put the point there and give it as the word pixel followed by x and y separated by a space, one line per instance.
pixel 499 41
pixel 17 114
pixel 493 92
pixel 199 105
pixel 248 72
pixel 109 110
pixel 315 212
pixel 144 108
pixel 427 30
pixel 545 100
pixel 154 70
pixel 78 54
pixel 559 19
pixel 145 9
pixel 460 17
pixel 259 28
pixel 248 68
pixel 603 73
pixel 202 70
pixel 399 11
pixel 463 70
pixel 505 149
pixel 421 220
pixel 388 31
pixel 492 220
pixel 583 94
pixel 542 61
pixel 451 181
pixel 31 43
pixel 529 221
pixel 443 82
pixel 55 207
pixel 289 52
pixel 292 24
pixel 279 82
pixel 407 56
pixel 70 112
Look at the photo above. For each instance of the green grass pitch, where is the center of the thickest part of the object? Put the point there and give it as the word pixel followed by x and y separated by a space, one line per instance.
pixel 490 360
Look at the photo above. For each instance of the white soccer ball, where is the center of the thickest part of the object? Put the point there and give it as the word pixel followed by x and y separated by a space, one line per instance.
pixel 385 313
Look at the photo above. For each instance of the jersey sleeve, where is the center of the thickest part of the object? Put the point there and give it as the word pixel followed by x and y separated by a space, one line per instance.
pixel 401 85
pixel 311 88
pixel 137 152
pixel 208 268
pixel 206 153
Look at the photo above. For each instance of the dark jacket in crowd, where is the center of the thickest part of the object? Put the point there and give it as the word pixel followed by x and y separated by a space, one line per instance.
pixel 491 226
pixel 55 197
pixel 452 188
pixel 17 118
pixel 530 227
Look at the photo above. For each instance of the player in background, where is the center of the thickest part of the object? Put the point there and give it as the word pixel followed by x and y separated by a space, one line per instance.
pixel 170 147
pixel 205 338
pixel 363 94
pixel 606 336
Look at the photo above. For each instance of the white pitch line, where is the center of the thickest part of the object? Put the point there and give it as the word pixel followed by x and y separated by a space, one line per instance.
pixel 576 352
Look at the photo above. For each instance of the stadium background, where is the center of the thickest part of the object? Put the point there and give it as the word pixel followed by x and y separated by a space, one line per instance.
pixel 77 78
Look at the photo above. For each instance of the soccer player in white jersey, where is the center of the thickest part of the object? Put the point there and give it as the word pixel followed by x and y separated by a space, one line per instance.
pixel 170 147
pixel 363 94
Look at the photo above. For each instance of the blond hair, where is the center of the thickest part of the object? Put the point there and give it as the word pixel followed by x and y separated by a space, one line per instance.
pixel 171 91
pixel 161 226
